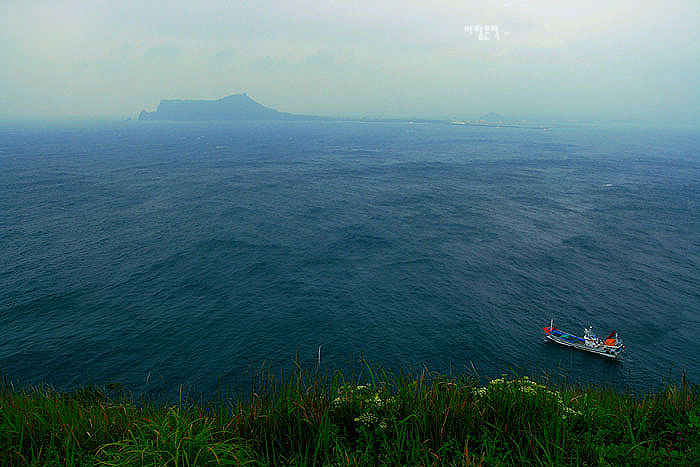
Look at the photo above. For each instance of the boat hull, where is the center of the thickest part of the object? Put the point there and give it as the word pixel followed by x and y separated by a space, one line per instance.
pixel 576 342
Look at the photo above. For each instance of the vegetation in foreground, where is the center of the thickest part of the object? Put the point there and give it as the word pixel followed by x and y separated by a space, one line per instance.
pixel 371 419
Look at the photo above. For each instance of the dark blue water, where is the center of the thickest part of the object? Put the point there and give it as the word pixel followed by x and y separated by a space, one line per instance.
pixel 193 252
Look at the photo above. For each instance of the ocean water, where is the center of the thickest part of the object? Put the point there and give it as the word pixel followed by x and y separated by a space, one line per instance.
pixel 158 254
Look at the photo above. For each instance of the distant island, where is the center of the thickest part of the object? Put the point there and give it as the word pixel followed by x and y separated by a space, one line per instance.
pixel 233 107
pixel 242 107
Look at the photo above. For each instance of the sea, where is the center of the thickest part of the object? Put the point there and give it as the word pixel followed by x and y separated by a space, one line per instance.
pixel 164 255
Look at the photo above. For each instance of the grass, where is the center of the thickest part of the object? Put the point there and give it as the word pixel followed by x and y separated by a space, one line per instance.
pixel 370 418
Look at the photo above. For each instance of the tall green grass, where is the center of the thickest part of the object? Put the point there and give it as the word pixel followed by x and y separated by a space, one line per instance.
pixel 367 418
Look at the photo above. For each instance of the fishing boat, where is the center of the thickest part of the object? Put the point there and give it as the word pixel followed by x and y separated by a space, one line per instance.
pixel 610 347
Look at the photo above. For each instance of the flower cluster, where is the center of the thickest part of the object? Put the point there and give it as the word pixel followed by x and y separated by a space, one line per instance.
pixel 369 420
pixel 527 387
pixel 366 400
pixel 365 395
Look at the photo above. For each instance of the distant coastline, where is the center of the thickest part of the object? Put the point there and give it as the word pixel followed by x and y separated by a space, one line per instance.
pixel 233 107
pixel 243 107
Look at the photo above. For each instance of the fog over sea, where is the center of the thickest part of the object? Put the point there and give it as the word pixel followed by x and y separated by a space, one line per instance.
pixel 194 252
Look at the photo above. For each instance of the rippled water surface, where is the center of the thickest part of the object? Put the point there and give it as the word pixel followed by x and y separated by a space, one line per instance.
pixel 193 252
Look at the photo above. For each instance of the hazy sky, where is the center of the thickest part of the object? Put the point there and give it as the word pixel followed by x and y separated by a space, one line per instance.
pixel 564 59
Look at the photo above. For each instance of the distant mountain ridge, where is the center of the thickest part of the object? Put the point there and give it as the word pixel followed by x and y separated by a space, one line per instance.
pixel 233 107
pixel 493 117
pixel 242 107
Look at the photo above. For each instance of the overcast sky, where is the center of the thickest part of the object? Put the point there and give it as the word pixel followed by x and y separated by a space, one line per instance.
pixel 566 59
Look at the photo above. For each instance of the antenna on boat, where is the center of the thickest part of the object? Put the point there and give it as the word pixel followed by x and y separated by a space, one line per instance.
pixel 551 323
